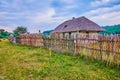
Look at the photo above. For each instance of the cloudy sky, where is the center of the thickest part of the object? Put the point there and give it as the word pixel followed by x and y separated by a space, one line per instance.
pixel 47 14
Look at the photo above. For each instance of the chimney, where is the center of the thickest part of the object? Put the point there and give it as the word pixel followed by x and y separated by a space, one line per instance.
pixel 39 31
pixel 73 17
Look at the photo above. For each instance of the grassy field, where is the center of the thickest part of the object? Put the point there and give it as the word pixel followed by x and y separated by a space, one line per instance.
pixel 29 63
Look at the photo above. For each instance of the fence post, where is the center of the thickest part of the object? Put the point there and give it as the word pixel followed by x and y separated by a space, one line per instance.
pixel 76 45
pixel 101 48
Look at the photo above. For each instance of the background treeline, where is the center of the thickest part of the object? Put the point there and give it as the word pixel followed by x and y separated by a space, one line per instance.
pixel 4 34
pixel 114 29
pixel 47 33
pixel 16 32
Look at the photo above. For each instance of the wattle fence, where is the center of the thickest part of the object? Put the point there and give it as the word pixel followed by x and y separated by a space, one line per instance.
pixel 30 40
pixel 103 47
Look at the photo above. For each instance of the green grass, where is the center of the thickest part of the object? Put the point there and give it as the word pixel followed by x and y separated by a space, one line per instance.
pixel 30 63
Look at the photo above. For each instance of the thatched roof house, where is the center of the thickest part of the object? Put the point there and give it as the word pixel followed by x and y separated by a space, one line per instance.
pixel 74 26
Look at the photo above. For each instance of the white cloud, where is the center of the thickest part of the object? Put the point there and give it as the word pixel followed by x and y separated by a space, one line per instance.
pixel 4 4
pixel 69 1
pixel 100 11
pixel 41 17
pixel 105 16
pixel 6 16
pixel 13 4
pixel 66 5
pixel 102 2
pixel 35 14
pixel 46 17
pixel 30 1
pixel 107 19
pixel 6 28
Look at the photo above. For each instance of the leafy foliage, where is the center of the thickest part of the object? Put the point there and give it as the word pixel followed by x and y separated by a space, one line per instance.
pixel 4 34
pixel 47 33
pixel 115 29
pixel 19 30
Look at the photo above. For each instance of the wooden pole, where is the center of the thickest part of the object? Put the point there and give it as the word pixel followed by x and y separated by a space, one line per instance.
pixel 100 48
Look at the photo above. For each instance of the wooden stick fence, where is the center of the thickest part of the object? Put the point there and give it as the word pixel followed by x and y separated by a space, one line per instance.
pixel 105 48
pixel 30 39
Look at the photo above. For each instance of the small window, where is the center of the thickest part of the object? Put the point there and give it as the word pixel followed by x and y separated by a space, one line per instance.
pixel 65 26
pixel 87 34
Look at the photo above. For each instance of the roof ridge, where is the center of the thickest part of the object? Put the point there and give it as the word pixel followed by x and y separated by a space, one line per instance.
pixel 80 23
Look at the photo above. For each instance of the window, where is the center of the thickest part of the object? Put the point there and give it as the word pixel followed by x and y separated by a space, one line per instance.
pixel 65 26
pixel 87 34
pixel 73 35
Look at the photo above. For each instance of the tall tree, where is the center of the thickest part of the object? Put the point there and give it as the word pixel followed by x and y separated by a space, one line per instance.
pixel 19 30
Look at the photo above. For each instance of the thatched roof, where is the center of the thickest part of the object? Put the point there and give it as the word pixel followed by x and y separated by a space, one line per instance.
pixel 78 24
